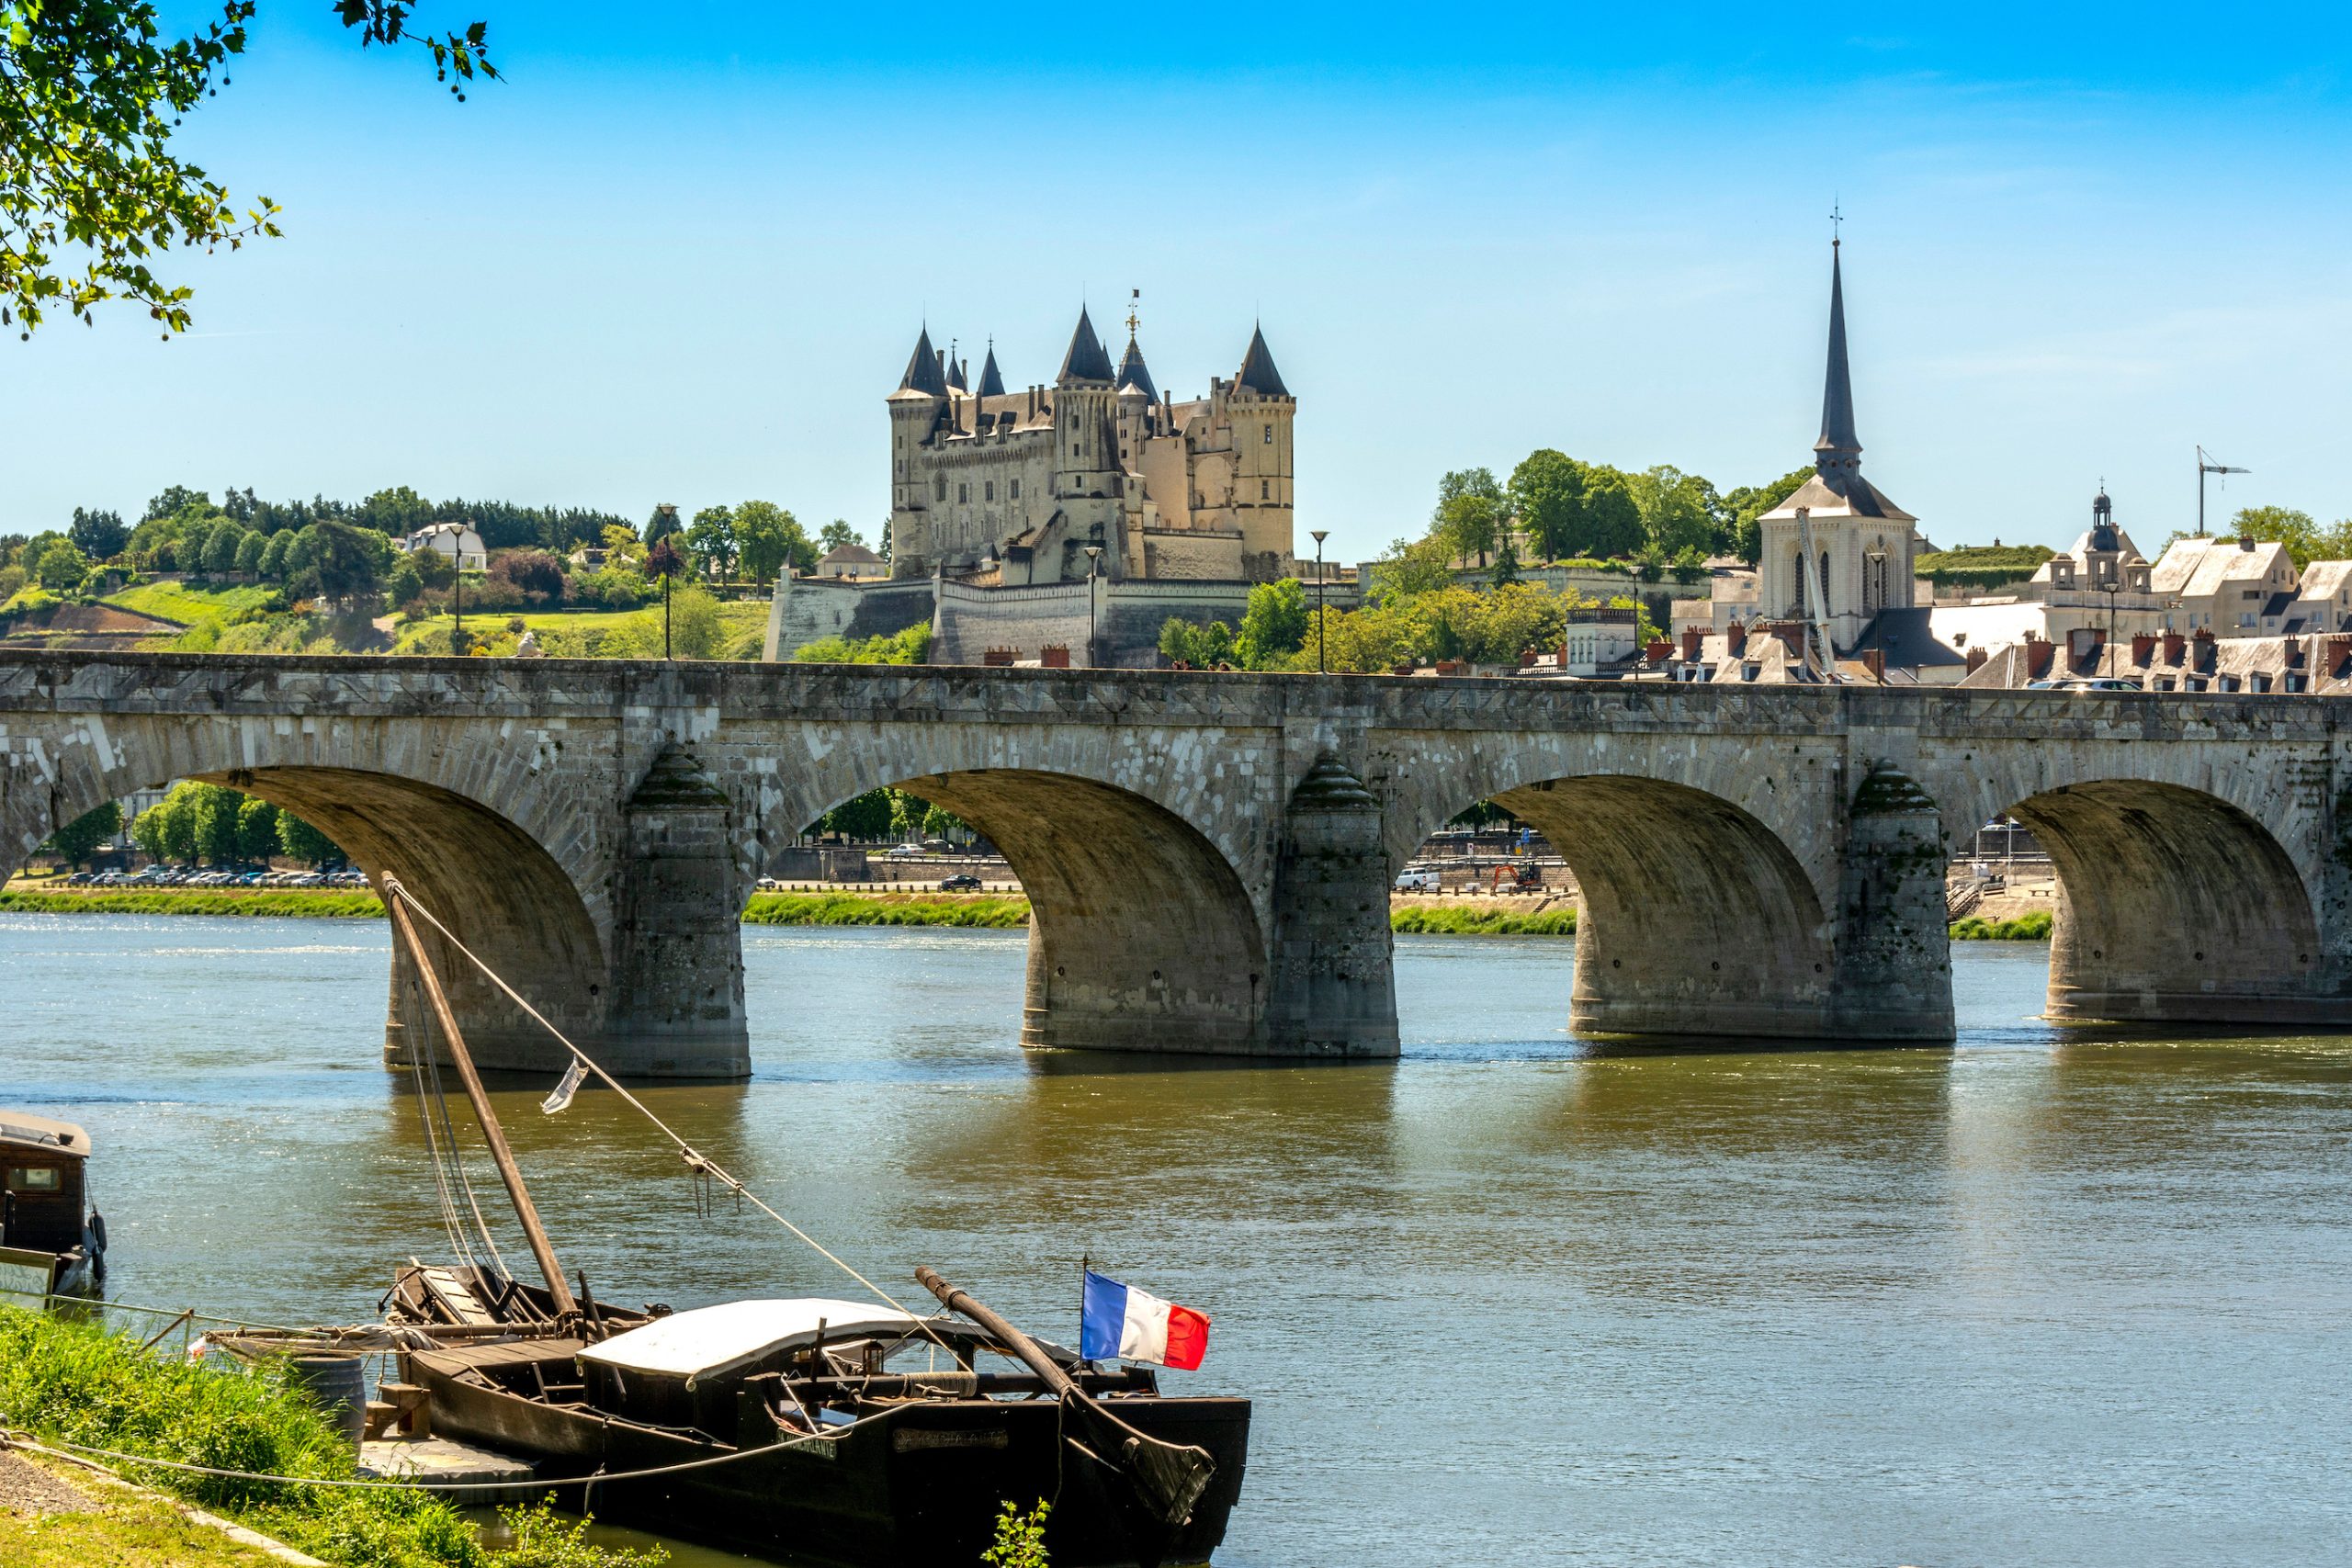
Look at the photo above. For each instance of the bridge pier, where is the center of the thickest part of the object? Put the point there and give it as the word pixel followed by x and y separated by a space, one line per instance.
pixel 1894 968
pixel 1334 991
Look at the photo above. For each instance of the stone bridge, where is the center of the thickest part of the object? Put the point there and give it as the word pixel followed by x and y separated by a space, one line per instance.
pixel 1208 855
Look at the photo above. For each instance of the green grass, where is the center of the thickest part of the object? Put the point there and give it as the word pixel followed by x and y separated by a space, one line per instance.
pixel 72 1380
pixel 1471 920
pixel 192 901
pixel 128 1531
pixel 887 909
pixel 190 605
pixel 2033 927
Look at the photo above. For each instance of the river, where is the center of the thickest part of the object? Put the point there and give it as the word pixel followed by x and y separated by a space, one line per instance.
pixel 2041 1299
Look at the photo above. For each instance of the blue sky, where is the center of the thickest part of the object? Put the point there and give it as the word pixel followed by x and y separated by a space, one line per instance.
pixel 683 256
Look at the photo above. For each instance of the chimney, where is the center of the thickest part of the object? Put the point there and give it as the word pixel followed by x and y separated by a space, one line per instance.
pixel 1736 638
pixel 2173 645
pixel 2142 645
pixel 1001 657
pixel 1053 656
pixel 2203 657
pixel 1691 642
pixel 1527 658
pixel 1976 657
pixel 1874 660
pixel 2038 653
pixel 2246 541
pixel 2338 649
pixel 1659 651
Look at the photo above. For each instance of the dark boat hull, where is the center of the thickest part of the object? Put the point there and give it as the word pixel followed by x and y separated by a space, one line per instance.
pixel 920 1485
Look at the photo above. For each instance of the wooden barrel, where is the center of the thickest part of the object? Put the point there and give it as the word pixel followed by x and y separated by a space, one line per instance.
pixel 337 1385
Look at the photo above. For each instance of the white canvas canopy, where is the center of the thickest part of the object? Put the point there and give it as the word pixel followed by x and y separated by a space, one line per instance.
pixel 708 1340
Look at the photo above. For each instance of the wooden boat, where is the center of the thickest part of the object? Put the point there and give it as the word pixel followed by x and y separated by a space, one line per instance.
pixel 849 1433
pixel 831 1431
pixel 52 1242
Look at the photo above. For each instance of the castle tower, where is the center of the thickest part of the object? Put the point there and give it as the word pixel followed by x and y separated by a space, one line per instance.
pixel 1263 410
pixel 1863 544
pixel 916 410
pixel 1088 476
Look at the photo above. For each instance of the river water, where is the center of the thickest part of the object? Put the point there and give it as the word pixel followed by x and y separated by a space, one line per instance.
pixel 2041 1299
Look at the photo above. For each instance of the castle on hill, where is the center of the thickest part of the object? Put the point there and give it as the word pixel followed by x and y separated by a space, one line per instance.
pixel 1098 473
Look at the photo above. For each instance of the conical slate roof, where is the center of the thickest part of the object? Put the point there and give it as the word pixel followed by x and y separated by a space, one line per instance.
pixel 991 379
pixel 923 372
pixel 955 371
pixel 1087 359
pixel 1838 434
pixel 1257 372
pixel 1133 373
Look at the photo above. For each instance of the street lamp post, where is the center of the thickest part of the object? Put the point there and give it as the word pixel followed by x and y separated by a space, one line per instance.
pixel 1093 577
pixel 1321 666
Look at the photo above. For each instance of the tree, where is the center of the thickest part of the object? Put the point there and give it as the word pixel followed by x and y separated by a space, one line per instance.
pixel 256 830
pixel 405 586
pixel 176 499
pixel 84 836
pixel 765 535
pixel 837 534
pixel 1613 519
pixel 2305 540
pixel 91 189
pixel 336 562
pixel 1273 624
pixel 661 525
pixel 1202 647
pixel 711 536
pixel 99 535
pixel 535 573
pixel 1746 504
pixel 864 818
pixel 273 556
pixel 398 512
pixel 1408 570
pixel 57 564
pixel 1469 511
pixel 621 543
pixel 221 547
pixel 301 841
pixel 251 547
pixel 664 559
pixel 696 629
pixel 1546 496
pixel 1676 508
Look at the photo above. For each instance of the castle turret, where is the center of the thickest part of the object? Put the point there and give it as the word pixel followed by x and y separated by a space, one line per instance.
pixel 916 410
pixel 1263 410
pixel 991 379
pixel 1086 469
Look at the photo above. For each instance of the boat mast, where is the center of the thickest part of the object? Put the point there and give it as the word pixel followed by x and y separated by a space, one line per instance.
pixel 496 1135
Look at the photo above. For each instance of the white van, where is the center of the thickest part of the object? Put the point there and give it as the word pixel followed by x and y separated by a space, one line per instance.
pixel 1417 882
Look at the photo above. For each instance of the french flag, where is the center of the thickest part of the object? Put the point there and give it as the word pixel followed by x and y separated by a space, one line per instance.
pixel 1120 1323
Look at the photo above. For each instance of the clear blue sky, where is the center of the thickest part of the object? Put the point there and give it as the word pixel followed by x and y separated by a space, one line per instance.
pixel 684 256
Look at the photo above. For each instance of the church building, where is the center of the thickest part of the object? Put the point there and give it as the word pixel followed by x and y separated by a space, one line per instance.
pixel 1863 544
pixel 1099 473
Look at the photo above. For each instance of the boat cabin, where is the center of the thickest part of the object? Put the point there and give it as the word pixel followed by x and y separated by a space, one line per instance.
pixel 683 1369
pixel 42 1196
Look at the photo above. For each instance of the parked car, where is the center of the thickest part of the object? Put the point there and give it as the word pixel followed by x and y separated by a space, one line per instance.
pixel 903 852
pixel 1411 881
pixel 962 882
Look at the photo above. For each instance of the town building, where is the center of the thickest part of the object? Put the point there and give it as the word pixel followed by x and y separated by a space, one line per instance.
pixel 458 542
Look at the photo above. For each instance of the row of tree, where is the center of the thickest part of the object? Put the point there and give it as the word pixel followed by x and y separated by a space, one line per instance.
pixel 884 814
pixel 1566 509
pixel 197 821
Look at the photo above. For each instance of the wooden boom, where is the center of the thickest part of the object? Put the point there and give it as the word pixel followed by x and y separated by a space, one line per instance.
pixel 496 1135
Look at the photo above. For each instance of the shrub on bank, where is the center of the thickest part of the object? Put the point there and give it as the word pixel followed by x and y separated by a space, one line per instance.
pixel 883 909
pixel 72 1380
pixel 2031 927
pixel 194 901
pixel 1472 920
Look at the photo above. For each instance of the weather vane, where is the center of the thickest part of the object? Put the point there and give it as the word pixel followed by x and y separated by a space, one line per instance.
pixel 1836 220
pixel 1135 298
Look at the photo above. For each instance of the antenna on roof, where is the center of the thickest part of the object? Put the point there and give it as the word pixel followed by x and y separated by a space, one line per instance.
pixel 2207 466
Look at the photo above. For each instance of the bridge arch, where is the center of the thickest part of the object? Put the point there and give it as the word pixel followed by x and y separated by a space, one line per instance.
pixel 1697 915
pixel 478 859
pixel 2175 904
pixel 1143 932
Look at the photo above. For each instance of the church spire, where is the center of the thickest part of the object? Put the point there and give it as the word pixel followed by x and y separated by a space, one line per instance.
pixel 1840 450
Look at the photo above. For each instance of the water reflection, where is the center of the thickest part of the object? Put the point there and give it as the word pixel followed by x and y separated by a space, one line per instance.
pixel 2051 1295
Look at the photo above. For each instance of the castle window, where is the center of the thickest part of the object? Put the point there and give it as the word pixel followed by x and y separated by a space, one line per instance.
pixel 1269 435
pixel 962 494
pixel 988 491
pixel 1016 490
pixel 940 489
pixel 1265 490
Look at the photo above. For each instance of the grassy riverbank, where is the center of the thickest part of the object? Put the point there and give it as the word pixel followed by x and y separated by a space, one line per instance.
pixel 191 902
pixel 73 1382
pixel 983 911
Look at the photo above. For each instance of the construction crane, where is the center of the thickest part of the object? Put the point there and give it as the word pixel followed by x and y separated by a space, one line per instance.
pixel 2207 466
